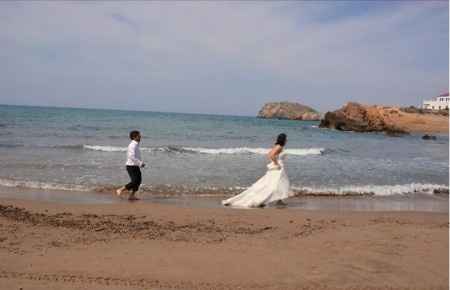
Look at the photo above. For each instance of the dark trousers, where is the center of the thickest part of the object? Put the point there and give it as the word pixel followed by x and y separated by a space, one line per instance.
pixel 136 178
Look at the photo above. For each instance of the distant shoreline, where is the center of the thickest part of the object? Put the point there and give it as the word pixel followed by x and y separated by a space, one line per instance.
pixel 393 121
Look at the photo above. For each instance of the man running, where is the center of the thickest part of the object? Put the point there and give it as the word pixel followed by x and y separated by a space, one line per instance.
pixel 133 165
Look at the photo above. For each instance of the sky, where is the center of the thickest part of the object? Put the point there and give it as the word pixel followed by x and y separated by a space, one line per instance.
pixel 222 57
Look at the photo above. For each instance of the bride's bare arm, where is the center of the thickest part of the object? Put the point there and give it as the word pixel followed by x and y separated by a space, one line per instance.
pixel 273 154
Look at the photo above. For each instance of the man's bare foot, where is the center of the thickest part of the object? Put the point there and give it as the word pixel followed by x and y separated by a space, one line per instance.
pixel 133 197
pixel 119 191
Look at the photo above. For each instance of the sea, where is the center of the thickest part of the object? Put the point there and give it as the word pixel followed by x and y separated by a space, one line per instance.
pixel 71 149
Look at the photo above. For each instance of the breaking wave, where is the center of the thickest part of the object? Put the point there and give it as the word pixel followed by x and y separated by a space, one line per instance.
pixel 167 189
pixel 376 190
pixel 43 185
pixel 237 150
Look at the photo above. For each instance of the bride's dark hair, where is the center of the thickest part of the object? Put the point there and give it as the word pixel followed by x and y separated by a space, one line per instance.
pixel 281 140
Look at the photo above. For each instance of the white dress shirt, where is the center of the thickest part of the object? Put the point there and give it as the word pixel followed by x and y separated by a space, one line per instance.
pixel 134 154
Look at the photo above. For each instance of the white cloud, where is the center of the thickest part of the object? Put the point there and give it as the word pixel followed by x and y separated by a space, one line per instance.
pixel 219 57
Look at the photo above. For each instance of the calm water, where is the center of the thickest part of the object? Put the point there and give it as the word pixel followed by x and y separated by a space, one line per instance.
pixel 82 149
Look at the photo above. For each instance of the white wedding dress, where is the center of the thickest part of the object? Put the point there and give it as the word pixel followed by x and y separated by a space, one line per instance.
pixel 273 186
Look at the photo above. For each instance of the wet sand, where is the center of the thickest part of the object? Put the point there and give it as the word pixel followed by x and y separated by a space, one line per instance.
pixel 414 202
pixel 144 245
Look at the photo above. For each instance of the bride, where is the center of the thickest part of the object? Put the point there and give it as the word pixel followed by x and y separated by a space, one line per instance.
pixel 273 186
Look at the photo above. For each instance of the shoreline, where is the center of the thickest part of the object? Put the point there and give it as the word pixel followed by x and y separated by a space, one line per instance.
pixel 168 190
pixel 419 202
pixel 157 246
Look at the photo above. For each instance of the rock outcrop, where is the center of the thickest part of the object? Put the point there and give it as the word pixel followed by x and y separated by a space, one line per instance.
pixel 391 120
pixel 359 118
pixel 429 137
pixel 288 110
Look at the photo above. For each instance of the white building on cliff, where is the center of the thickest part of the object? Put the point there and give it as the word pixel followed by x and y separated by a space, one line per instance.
pixel 440 102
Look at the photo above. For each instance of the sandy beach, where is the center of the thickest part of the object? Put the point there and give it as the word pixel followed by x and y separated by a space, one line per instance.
pixel 156 246
pixel 197 145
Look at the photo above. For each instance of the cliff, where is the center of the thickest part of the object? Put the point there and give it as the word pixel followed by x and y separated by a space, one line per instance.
pixel 391 120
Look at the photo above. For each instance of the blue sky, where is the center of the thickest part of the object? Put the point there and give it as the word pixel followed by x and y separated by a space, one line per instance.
pixel 222 57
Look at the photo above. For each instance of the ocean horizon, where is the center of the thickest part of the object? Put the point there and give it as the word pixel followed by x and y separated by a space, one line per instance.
pixel 126 110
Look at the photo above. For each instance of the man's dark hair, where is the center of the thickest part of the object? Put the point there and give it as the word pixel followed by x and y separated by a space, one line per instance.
pixel 134 134
pixel 281 139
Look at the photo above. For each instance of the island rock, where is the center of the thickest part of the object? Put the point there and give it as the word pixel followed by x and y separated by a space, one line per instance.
pixel 288 110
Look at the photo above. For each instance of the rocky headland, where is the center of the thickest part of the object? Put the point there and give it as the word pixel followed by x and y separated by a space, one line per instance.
pixel 289 111
pixel 390 120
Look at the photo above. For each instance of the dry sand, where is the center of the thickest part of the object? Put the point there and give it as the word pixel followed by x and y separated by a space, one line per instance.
pixel 150 246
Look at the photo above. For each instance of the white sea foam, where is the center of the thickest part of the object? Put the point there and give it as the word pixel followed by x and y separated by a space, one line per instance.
pixel 105 148
pixel 120 149
pixel 246 150
pixel 42 185
pixel 377 190
pixel 237 150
